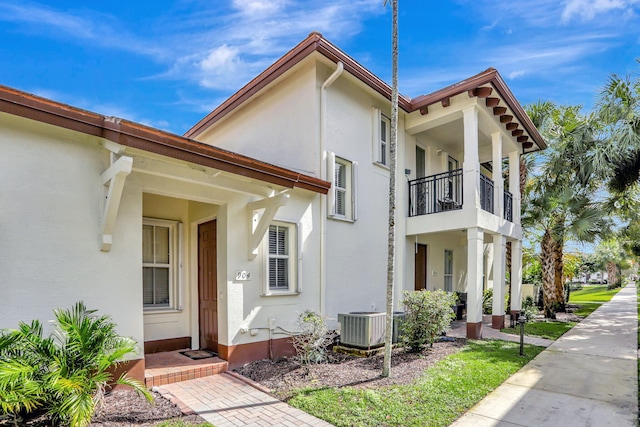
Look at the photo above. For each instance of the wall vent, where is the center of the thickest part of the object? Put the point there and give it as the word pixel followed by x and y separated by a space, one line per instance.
pixel 366 329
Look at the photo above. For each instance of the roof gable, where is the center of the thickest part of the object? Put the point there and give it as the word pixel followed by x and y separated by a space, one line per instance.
pixel 315 42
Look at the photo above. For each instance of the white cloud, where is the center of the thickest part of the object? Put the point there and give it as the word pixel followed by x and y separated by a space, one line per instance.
pixel 259 7
pixel 46 17
pixel 220 66
pixel 218 46
pixel 516 74
pixel 99 29
pixel 230 52
pixel 588 9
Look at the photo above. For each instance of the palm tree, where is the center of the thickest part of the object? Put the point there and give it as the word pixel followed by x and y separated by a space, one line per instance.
pixel 66 373
pixel 619 110
pixel 559 200
pixel 386 368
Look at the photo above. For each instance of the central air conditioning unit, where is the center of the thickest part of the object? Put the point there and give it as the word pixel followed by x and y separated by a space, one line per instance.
pixel 366 330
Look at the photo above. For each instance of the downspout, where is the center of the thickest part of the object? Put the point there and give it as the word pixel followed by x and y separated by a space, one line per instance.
pixel 323 175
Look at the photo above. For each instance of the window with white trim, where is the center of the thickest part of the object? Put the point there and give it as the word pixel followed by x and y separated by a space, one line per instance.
pixel 282 263
pixel 159 264
pixel 381 138
pixel 448 270
pixel 385 140
pixel 342 198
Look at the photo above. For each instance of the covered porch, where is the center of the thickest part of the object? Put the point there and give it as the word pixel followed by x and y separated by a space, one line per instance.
pixel 469 261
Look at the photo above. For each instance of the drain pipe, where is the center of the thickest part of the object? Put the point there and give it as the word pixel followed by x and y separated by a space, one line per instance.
pixel 323 175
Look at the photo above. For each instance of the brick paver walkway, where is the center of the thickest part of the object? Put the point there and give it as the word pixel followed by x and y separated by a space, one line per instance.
pixel 226 401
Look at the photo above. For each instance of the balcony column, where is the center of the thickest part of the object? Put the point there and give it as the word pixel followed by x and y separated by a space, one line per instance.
pixel 498 181
pixel 471 163
pixel 516 278
pixel 499 252
pixel 475 253
pixel 514 184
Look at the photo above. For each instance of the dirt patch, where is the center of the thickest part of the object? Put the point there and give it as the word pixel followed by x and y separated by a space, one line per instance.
pixel 282 376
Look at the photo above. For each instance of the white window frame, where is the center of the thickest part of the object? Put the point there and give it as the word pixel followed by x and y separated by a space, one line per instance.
pixel 450 274
pixel 349 190
pixel 293 257
pixel 381 138
pixel 175 231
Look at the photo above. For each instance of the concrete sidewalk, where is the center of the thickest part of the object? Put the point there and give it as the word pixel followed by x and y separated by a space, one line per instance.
pixel 588 377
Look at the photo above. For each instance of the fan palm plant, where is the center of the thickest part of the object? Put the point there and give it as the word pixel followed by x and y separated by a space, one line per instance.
pixel 562 198
pixel 66 373
pixel 619 109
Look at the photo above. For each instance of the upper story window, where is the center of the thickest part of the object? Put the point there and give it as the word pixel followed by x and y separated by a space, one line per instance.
pixel 342 197
pixel 282 264
pixel 381 138
pixel 159 264
pixel 385 138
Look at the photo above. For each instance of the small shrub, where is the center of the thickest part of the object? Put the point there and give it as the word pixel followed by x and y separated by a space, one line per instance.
pixel 428 315
pixel 529 308
pixel 65 374
pixel 487 301
pixel 314 339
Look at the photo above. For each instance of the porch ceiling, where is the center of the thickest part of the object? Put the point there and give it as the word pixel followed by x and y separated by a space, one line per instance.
pixel 449 137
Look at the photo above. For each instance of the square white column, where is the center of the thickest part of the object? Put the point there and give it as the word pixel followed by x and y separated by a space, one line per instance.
pixel 514 184
pixel 499 252
pixel 498 181
pixel 516 275
pixel 475 256
pixel 471 163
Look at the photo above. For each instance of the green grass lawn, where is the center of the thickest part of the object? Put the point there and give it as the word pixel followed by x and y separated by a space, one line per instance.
pixel 593 293
pixel 544 329
pixel 442 394
pixel 590 297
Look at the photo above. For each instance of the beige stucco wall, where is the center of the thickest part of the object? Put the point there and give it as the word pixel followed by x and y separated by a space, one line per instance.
pixel 278 126
pixel 50 207
pixel 51 199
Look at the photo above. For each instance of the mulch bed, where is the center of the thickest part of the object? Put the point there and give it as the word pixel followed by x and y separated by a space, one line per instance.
pixel 283 375
pixel 123 408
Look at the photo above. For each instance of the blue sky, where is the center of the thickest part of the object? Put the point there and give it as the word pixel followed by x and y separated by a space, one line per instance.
pixel 168 63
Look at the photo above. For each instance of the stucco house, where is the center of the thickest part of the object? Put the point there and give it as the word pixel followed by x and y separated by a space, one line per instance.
pixel 274 203
pixel 318 111
pixel 183 244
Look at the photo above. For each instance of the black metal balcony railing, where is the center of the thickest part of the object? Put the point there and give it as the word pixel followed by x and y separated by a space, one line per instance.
pixel 436 193
pixel 508 206
pixel 486 193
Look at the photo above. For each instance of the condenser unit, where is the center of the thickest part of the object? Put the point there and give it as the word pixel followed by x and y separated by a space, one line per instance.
pixel 367 329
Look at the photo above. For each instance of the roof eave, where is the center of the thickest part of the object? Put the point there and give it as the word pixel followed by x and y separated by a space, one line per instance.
pixel 489 76
pixel 153 140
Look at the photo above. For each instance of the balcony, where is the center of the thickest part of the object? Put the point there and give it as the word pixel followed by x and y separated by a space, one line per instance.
pixel 443 192
pixel 508 206
pixel 436 193
pixel 486 193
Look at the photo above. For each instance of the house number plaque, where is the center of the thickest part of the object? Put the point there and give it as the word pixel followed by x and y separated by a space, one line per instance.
pixel 243 276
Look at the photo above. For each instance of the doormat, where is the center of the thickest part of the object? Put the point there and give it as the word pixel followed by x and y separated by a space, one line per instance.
pixel 198 354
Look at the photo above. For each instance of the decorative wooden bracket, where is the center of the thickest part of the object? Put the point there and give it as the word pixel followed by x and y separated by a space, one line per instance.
pixel 114 177
pixel 260 223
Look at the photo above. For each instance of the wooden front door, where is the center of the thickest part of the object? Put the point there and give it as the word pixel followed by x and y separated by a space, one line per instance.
pixel 207 286
pixel 421 267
